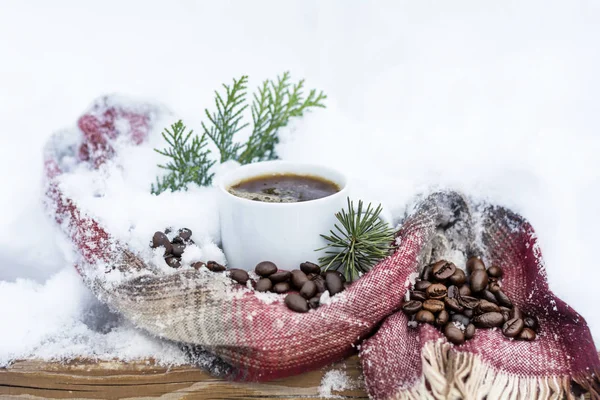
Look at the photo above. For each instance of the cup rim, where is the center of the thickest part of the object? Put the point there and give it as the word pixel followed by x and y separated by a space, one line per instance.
pixel 226 181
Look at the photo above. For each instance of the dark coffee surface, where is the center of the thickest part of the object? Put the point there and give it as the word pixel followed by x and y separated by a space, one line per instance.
pixel 284 188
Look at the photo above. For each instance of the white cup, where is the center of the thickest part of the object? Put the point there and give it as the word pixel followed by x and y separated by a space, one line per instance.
pixel 284 233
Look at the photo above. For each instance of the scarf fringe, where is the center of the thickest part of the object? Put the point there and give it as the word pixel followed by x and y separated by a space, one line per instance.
pixel 452 375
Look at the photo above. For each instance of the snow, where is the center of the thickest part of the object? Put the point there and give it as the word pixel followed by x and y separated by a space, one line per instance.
pixel 335 380
pixel 496 99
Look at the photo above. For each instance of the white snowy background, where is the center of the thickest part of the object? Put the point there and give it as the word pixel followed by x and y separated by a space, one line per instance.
pixel 499 99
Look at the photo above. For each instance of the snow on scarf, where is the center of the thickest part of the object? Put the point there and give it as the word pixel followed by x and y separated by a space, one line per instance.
pixel 266 341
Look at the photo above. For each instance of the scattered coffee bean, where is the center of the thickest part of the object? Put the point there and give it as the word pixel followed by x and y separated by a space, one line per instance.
pixel 489 296
pixel 314 302
pixel 488 320
pixel 239 275
pixel 494 287
pixel 299 278
pixel 527 334
pixel 215 266
pixel 426 273
pixel 320 283
pixel 479 280
pixel 425 316
pixel 338 273
pixel 458 277
pixel 159 239
pixel 461 319
pixel 436 291
pixel 168 230
pixel 310 268
pixel 513 327
pixel 185 233
pixel 503 299
pixel 265 268
pixel 468 313
pixel 264 285
pixel 453 292
pixel 468 301
pixel 422 285
pixel 443 270
pixel 412 307
pixel 280 276
pixel 334 283
pixel 475 263
pixel 469 332
pixel 281 287
pixel 464 290
pixel 295 302
pixel 442 318
pixel 453 304
pixel 416 295
pixel 495 271
pixel 454 334
pixel 531 322
pixel 198 265
pixel 178 250
pixel 486 306
pixel 309 289
pixel 434 306
pixel 178 240
pixel 173 262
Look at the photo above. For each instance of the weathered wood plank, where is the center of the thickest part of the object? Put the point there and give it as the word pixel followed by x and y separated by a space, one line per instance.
pixel 34 379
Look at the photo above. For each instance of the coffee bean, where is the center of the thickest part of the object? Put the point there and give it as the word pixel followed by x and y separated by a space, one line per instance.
pixel 264 285
pixel 412 307
pixel 458 277
pixel 311 277
pixel 505 313
pixel 488 320
pixel 474 264
pixel 314 302
pixel 338 273
pixel 489 296
pixel 495 271
pixel 516 313
pixel 426 273
pixel 215 266
pixel 347 285
pixel 422 285
pixel 486 306
pixel 468 301
pixel 239 275
pixel 453 292
pixel 334 283
pixel 416 295
pixel 265 268
pixel 178 240
pixel 168 230
pixel 178 250
pixel 443 270
pixel 442 318
pixel 295 302
pixel 173 262
pixel 281 287
pixel 527 334
pixel 469 331
pixel 503 299
pixel 453 304
pixel 198 264
pixel 436 291
pixel 531 322
pixel 310 268
pixel 468 313
pixel 320 283
pixel 299 278
pixel 309 289
pixel 185 233
pixel 433 305
pixel 454 334
pixel 425 316
pixel 280 276
pixel 479 280
pixel 513 327
pixel 493 287
pixel 464 290
pixel 159 239
pixel 460 318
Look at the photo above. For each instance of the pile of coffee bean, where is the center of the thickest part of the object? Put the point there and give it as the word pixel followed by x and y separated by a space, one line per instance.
pixel 459 304
pixel 308 281
pixel 174 249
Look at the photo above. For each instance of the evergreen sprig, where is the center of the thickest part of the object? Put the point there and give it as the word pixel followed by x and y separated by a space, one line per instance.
pixel 273 105
pixel 189 160
pixel 359 241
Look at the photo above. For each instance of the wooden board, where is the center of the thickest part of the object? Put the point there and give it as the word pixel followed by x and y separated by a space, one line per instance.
pixel 34 379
